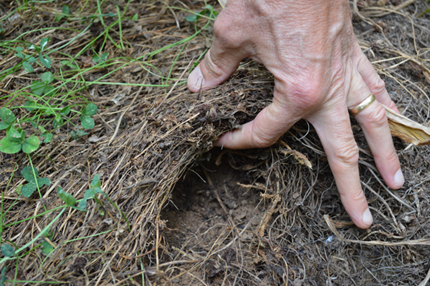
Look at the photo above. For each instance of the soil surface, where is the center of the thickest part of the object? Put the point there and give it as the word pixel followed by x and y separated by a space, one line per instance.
pixel 208 206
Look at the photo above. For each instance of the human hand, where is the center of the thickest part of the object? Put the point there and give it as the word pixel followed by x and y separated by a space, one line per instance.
pixel 320 71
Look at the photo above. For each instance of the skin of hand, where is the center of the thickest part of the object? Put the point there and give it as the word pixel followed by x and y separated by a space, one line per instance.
pixel 320 71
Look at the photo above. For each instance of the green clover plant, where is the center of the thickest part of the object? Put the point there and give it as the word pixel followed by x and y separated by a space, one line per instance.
pixel 100 59
pixel 3 276
pixel 7 250
pixel 86 120
pixel 15 141
pixel 43 59
pixel 28 60
pixel 7 117
pixel 92 192
pixel 43 87
pixel 47 248
pixel 31 175
pixel 65 13
pixel 76 134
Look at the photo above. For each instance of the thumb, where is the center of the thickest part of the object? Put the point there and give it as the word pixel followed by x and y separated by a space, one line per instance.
pixel 270 124
pixel 217 66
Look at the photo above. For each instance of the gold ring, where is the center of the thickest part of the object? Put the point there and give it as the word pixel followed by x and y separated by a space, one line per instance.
pixel 368 101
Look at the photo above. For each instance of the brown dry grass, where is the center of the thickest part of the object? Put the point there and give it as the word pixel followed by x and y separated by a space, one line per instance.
pixel 142 146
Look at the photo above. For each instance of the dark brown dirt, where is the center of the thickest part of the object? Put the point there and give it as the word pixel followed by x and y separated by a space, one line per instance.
pixel 207 208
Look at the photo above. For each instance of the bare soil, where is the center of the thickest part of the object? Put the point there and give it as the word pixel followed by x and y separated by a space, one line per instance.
pixel 208 205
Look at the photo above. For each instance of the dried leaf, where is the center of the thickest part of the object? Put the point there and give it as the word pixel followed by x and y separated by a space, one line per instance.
pixel 222 2
pixel 407 129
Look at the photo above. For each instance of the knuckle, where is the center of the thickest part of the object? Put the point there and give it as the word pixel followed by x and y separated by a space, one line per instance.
pixel 347 155
pixel 261 141
pixel 378 86
pixel 307 86
pixel 392 156
pixel 377 117
pixel 303 90
pixel 355 195
pixel 220 27
pixel 262 137
pixel 214 69
pixel 227 36
pixel 389 157
pixel 391 105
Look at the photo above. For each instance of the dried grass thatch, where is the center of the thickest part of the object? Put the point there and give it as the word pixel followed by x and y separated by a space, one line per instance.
pixel 144 144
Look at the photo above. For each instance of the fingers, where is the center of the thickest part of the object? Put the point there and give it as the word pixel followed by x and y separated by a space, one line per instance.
pixel 372 79
pixel 375 127
pixel 263 131
pixel 377 131
pixel 217 66
pixel 334 129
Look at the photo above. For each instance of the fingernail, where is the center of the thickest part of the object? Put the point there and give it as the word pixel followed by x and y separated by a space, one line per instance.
pixel 367 217
pixel 196 80
pixel 399 180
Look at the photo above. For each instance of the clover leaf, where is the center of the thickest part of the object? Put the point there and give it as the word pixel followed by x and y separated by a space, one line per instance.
pixel 30 144
pixel 47 136
pixel 65 111
pixel 43 87
pixel 15 141
pixel 15 135
pixel 47 248
pixel 27 67
pixel 31 175
pixel 67 198
pixel 86 120
pixel 47 77
pixel 19 53
pixel 7 117
pixel 96 181
pixel 3 276
pixel 43 43
pixel 78 134
pixel 26 59
pixel 91 193
pixel 9 147
pixel 7 250
pixel 45 60
pixel 30 105
pixel 65 13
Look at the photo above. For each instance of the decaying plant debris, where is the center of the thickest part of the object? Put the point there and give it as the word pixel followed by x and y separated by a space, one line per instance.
pixel 406 129
pixel 145 143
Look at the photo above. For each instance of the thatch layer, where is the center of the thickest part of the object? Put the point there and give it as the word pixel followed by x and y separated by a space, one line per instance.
pixel 146 138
